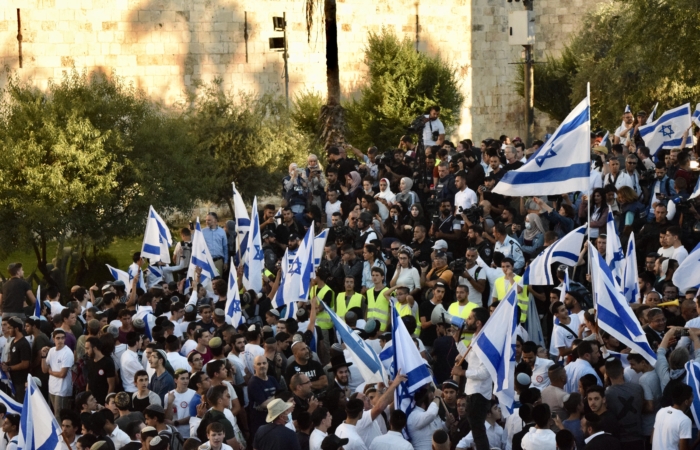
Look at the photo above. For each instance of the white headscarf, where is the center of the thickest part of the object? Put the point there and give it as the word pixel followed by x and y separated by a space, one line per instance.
pixel 386 194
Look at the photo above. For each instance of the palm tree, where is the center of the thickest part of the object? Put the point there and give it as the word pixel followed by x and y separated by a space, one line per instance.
pixel 332 117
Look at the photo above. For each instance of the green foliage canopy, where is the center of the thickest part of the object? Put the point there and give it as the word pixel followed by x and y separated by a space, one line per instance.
pixel 402 84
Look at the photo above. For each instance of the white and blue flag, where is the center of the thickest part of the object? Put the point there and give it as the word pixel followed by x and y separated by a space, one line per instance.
pixel 614 255
pixel 13 407
pixel 627 109
pixel 565 250
pixel 408 360
pixel 233 298
pixel 696 191
pixel 296 278
pixel 687 275
pixel 668 130
pixel 692 379
pixel 254 260
pixel 154 275
pixel 650 119
pixel 242 225
pixel 561 165
pixel 319 246
pixel 630 286
pixel 496 349
pixel 614 313
pixel 120 275
pixel 696 115
pixel 157 239
pixel 604 141
pixel 364 357
pixel 37 303
pixel 201 257
pixel 38 427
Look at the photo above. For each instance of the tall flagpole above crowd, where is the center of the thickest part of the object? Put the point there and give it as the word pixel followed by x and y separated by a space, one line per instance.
pixel 590 188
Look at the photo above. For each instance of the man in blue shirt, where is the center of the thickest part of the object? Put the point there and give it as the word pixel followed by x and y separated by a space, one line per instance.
pixel 215 238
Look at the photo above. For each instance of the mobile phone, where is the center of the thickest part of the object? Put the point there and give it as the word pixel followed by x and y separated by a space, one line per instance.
pixel 554 415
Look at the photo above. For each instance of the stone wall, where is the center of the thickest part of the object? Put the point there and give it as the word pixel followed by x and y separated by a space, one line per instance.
pixel 165 46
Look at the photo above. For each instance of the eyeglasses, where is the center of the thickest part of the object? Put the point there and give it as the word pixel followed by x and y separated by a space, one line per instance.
pixel 353 220
pixel 631 163
pixel 395 249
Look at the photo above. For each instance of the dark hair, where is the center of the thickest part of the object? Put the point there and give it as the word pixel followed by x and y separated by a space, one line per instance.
pixel 593 420
pixel 587 381
pixel 596 388
pixel 319 415
pixel 215 427
pixel 215 393
pixel 680 393
pixel 530 396
pixel 481 314
pixel 214 367
pixel 82 398
pixel 565 439
pixel 132 428
pixel 140 373
pixel 555 307
pixel 572 403
pixel 529 347
pixel 159 416
pixel 614 369
pixel 584 348
pixel 354 408
pixel 541 415
pixel 397 420
pixel 304 420
pixel 87 440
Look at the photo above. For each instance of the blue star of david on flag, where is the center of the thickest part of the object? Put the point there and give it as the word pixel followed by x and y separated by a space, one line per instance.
pixel 666 130
pixel 258 253
pixel 295 267
pixel 541 159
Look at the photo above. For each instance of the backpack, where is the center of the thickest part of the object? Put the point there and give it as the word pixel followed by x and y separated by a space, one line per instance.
pixel 174 437
pixel 202 428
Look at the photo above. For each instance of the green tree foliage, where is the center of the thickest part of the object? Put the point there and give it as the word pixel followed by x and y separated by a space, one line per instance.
pixel 84 160
pixel 307 108
pixel 251 139
pixel 635 52
pixel 402 84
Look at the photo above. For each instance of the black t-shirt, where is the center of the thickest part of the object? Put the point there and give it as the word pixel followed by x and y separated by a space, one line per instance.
pixel 312 369
pixel 210 327
pixel 427 335
pixel 14 293
pixel 444 355
pixel 274 437
pixel 20 350
pixel 98 372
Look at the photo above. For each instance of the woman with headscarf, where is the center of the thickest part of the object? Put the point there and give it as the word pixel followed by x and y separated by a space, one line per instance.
pixel 406 195
pixel 417 216
pixel 385 197
pixel 532 238
pixel 352 187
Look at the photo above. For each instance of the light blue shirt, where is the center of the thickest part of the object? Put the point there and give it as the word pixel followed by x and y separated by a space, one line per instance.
pixel 575 371
pixel 216 241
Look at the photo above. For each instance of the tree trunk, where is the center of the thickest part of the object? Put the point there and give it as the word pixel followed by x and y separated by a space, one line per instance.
pixel 40 253
pixel 332 114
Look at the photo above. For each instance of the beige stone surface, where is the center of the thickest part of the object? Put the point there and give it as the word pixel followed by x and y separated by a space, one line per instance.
pixel 165 46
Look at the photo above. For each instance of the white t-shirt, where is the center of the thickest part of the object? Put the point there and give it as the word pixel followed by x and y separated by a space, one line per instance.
pixel 181 409
pixel 561 337
pixel 330 209
pixel 671 425
pixel 57 360
pixel 679 254
pixel 474 296
pixel 622 128
pixel 430 126
pixel 466 199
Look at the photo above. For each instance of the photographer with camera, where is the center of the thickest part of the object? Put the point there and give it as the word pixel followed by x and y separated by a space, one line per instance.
pixel 472 276
pixel 465 198
pixel 294 189
pixel 446 227
pixel 397 169
pixel 445 187
pixel 434 131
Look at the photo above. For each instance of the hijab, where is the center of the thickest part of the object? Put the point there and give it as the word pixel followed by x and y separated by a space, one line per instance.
pixel 386 194
pixel 356 181
pixel 408 183
pixel 535 227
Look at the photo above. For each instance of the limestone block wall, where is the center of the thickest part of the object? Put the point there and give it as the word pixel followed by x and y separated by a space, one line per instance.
pixel 165 46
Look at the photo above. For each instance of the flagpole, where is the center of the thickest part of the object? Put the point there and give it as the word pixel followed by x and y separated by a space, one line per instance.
pixel 590 190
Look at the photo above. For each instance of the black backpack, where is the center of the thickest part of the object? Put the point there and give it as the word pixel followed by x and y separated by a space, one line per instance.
pixel 174 437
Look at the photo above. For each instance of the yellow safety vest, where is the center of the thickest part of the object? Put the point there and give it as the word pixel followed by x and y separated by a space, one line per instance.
pixel 466 311
pixel 378 309
pixel 342 308
pixel 405 310
pixel 323 319
pixel 523 299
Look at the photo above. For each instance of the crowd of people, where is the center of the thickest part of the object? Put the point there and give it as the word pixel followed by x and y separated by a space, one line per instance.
pixel 413 228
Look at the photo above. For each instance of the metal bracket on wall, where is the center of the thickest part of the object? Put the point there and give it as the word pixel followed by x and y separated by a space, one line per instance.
pixel 19 36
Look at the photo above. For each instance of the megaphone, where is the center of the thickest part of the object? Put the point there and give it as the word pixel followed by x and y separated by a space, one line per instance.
pixel 441 315
pixel 671 303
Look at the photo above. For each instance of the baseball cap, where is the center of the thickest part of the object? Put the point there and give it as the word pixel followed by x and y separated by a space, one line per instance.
pixel 293 237
pixel 333 442
pixel 440 244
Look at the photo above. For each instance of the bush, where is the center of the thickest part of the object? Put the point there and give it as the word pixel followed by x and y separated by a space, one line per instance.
pixel 307 109
pixel 402 84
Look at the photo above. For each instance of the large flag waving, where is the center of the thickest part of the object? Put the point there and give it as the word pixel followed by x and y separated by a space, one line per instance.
pixel 364 357
pixel 496 349
pixel 13 407
pixel 201 257
pixel 120 275
pixel 37 303
pixel 565 251
pixel 688 273
pixel 242 224
pixel 692 379
pixel 254 257
pixel 630 286
pixel 667 131
pixel 613 311
pixel 561 165
pixel 652 114
pixel 296 277
pixel 319 246
pixel 233 298
pixel 38 427
pixel 696 115
pixel 157 239
pixel 614 255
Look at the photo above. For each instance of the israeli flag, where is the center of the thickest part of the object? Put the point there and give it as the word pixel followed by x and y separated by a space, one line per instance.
pixel 613 250
pixel 319 246
pixel 408 360
pixel 38 427
pixel 254 260
pixel 242 224
pixel 627 109
pixel 154 274
pixel 696 191
pixel 233 298
pixel 564 250
pixel 562 295
pixel 201 257
pixel 687 275
pixel 692 379
pixel 604 141
pixel 561 165
pixel 696 115
pixel 37 303
pixel 496 349
pixel 667 131
pixel 157 239
pixel 13 407
pixel 120 275
pixel 363 355
pixel 296 278
pixel 650 119
pixel 133 271
pixel 614 313
pixel 630 286
pixel 5 378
